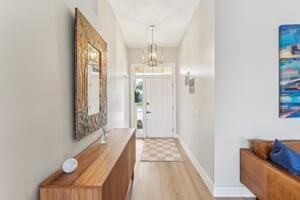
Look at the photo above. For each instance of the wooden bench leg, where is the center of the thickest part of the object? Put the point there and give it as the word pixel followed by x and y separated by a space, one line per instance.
pixel 132 176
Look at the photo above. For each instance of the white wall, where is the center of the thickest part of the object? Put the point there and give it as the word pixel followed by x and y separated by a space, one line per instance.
pixel 135 55
pixel 247 79
pixel 195 112
pixel 36 85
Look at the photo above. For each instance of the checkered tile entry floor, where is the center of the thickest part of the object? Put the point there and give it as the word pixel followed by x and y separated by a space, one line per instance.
pixel 161 149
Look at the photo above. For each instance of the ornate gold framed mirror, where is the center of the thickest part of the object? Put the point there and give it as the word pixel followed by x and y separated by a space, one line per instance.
pixel 90 78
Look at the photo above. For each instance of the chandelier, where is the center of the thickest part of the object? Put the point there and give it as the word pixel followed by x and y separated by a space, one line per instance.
pixel 152 53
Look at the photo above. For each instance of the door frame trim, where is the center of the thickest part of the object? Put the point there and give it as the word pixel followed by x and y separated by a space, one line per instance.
pixel 132 105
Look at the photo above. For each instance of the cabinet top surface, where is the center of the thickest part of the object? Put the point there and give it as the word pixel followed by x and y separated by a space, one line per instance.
pixel 94 163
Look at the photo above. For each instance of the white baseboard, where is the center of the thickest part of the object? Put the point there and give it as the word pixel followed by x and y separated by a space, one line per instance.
pixel 216 191
pixel 207 180
pixel 232 191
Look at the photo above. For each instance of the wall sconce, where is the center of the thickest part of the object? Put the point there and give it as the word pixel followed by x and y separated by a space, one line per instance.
pixel 187 78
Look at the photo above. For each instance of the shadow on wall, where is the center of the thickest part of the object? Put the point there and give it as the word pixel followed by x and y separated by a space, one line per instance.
pixel 69 61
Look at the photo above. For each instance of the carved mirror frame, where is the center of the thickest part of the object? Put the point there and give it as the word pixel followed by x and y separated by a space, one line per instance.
pixel 85 34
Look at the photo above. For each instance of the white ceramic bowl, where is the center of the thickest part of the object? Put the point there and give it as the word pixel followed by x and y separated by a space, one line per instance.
pixel 70 165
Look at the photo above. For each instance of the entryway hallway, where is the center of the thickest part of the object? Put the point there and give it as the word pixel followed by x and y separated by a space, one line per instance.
pixel 168 180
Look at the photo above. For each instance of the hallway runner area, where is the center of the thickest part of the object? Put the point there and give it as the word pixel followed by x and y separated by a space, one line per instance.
pixel 160 149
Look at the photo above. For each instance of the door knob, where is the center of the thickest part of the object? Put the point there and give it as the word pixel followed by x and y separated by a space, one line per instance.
pixel 148 112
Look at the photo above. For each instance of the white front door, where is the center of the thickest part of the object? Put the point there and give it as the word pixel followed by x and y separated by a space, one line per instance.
pixel 159 106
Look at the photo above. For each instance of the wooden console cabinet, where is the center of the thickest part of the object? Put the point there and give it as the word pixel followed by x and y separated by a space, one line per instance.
pixel 103 173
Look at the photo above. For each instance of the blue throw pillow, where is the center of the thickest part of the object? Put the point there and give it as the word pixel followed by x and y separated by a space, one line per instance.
pixel 285 157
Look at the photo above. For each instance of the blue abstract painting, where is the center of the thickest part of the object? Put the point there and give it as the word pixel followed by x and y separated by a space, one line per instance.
pixel 289 61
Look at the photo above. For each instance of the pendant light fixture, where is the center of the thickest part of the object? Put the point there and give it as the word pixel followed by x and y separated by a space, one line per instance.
pixel 152 53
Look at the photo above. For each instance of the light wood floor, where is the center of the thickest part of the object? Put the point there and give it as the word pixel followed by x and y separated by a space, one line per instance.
pixel 168 180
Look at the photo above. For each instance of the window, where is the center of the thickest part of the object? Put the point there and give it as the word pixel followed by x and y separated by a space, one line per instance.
pixel 138 100
pixel 141 69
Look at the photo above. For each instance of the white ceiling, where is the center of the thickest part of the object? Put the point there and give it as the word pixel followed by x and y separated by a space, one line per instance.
pixel 171 17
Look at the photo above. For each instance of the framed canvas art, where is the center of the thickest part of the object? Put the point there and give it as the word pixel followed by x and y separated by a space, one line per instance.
pixel 289 71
